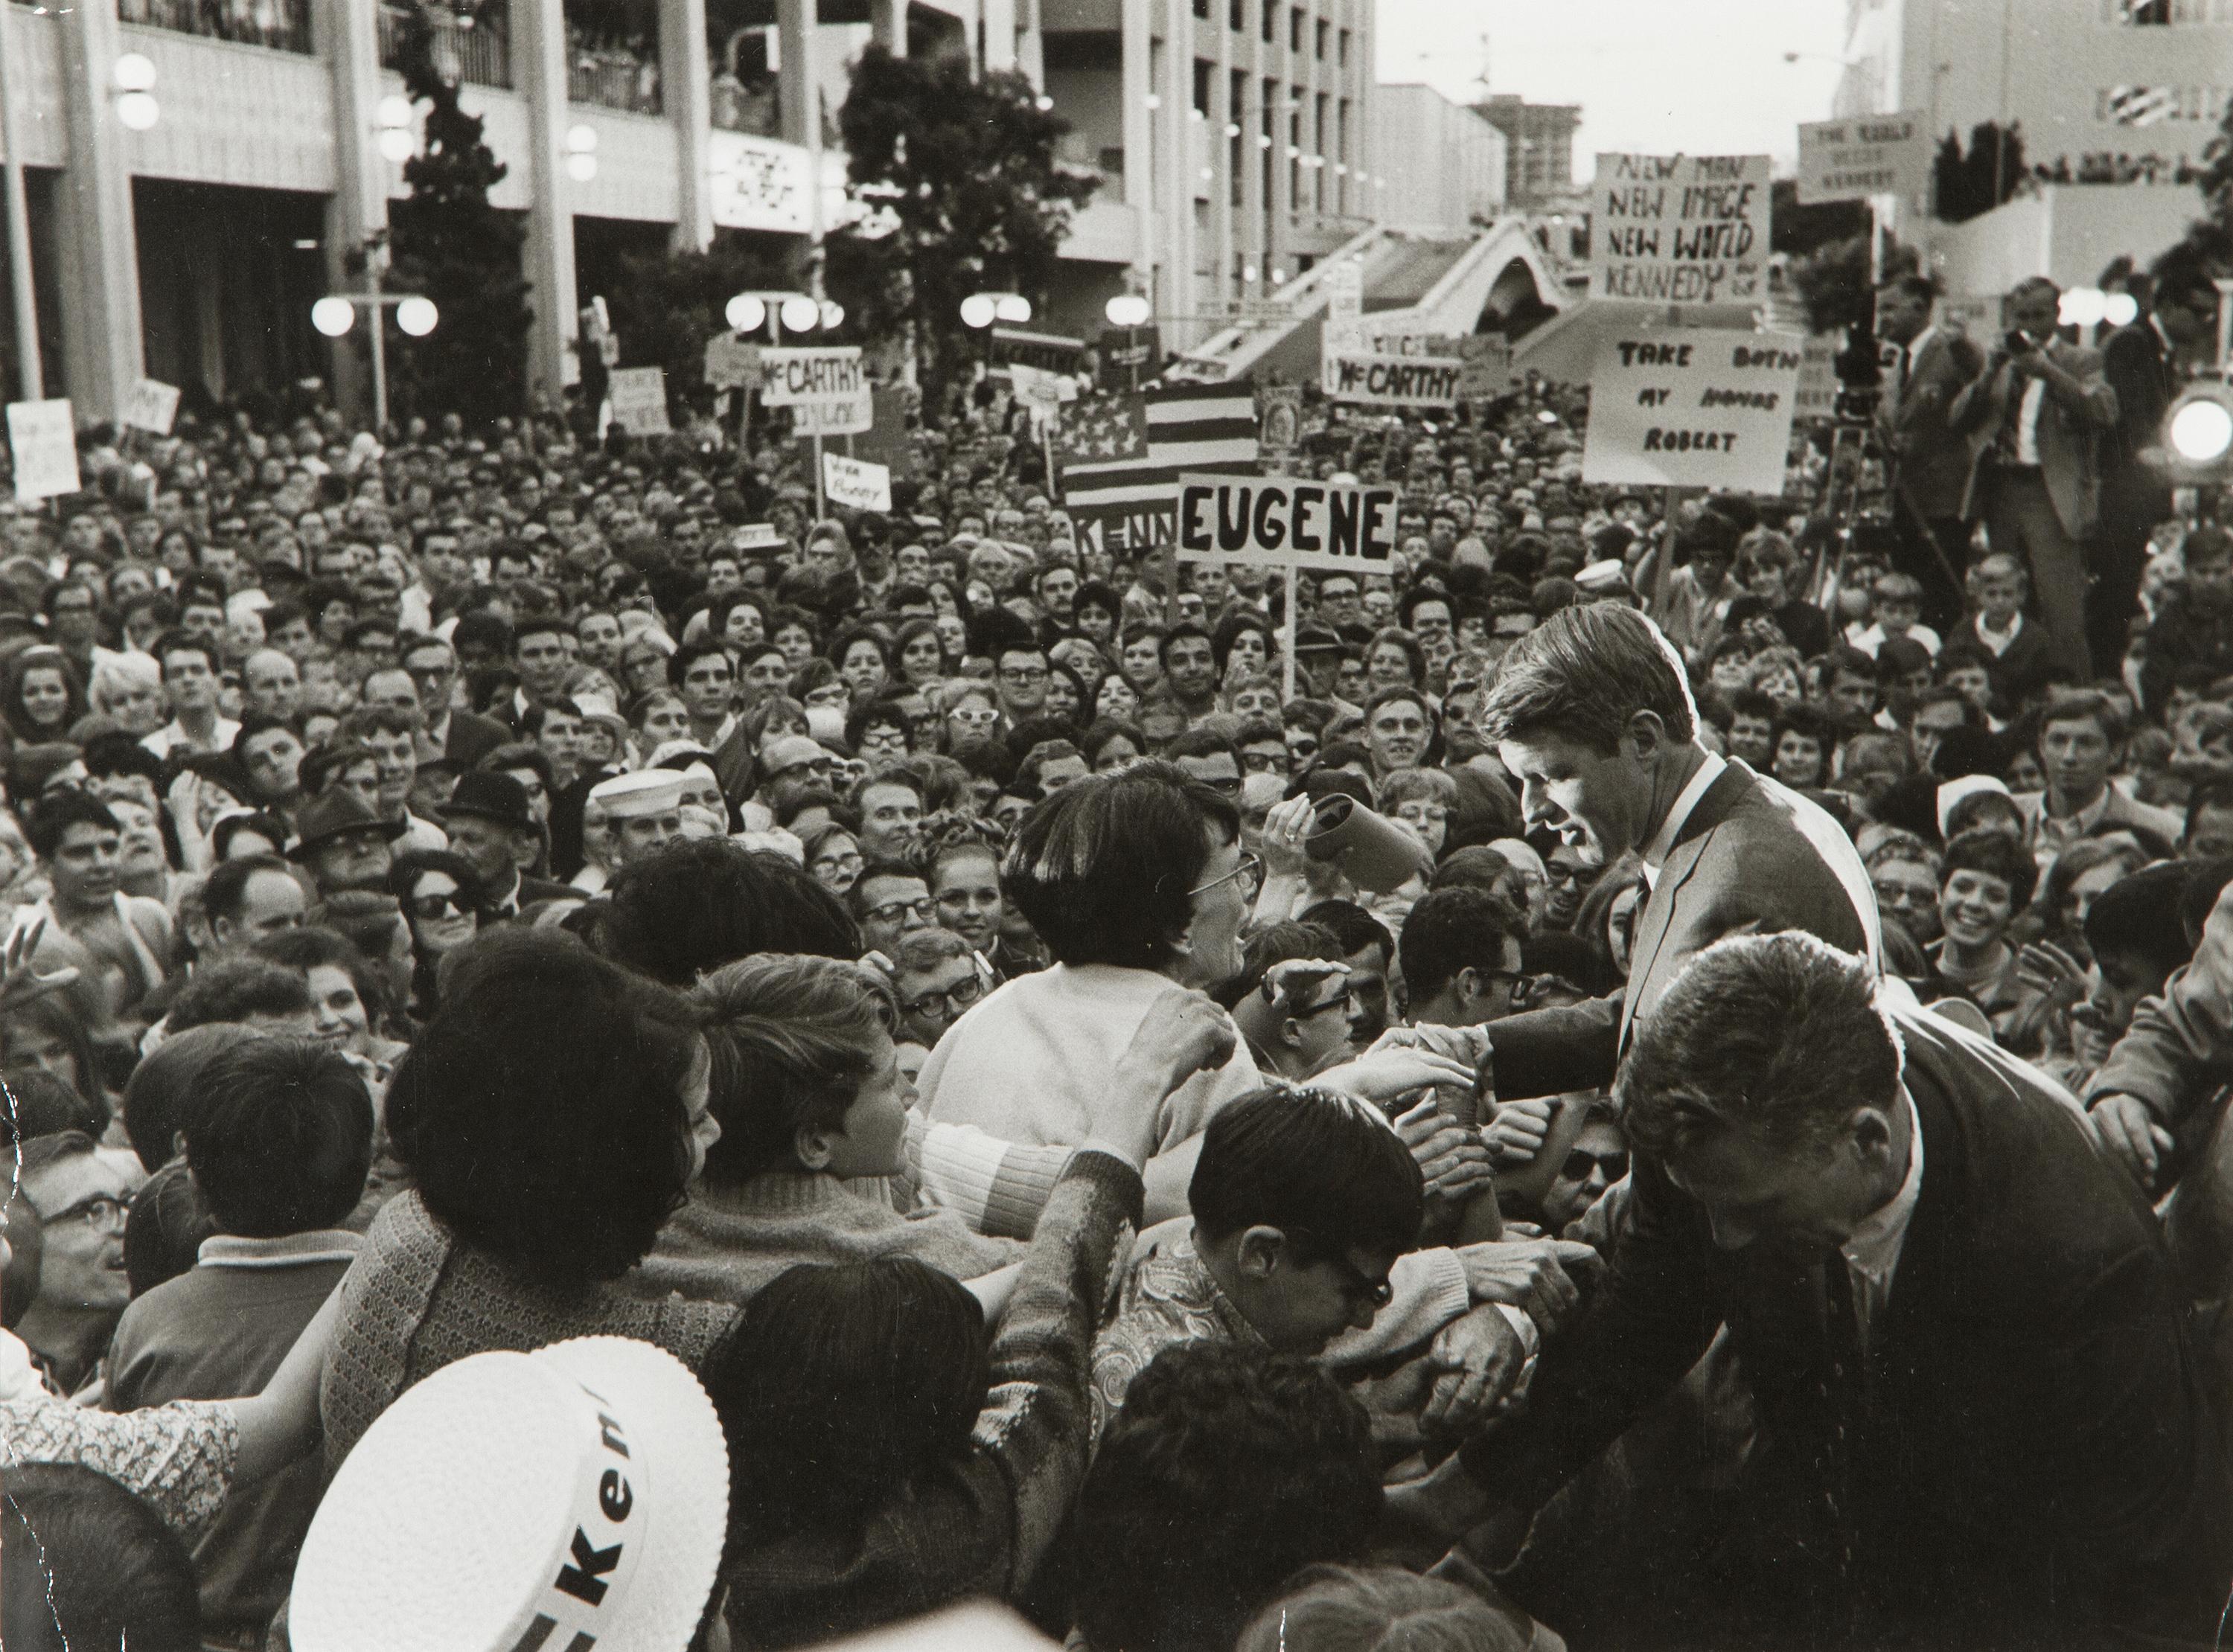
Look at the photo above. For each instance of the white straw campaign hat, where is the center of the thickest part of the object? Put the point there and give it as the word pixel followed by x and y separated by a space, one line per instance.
pixel 572 1497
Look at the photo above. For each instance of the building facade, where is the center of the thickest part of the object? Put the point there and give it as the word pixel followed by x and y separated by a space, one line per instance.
pixel 1231 137
pixel 1466 182
pixel 1540 148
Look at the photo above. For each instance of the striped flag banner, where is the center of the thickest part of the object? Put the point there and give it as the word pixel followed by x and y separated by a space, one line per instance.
pixel 1122 456
pixel 2141 106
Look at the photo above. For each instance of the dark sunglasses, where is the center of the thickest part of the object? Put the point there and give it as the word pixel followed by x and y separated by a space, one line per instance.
pixel 1354 1283
pixel 1581 1161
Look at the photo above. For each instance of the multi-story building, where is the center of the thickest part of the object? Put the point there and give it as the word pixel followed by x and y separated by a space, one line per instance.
pixel 1239 133
pixel 2084 79
pixel 1539 146
pixel 1232 137
pixel 1467 182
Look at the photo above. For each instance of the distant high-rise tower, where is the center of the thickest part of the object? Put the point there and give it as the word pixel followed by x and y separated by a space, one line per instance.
pixel 1539 145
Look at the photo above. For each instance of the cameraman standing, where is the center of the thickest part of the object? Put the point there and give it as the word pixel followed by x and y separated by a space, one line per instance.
pixel 2033 418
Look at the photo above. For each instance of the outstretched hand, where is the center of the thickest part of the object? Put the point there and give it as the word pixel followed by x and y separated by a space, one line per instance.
pixel 21 979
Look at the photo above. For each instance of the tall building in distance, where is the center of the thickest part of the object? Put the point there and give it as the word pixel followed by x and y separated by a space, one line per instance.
pixel 1539 163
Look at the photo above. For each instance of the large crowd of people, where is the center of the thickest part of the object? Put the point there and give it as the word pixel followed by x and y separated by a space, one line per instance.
pixel 1616 1082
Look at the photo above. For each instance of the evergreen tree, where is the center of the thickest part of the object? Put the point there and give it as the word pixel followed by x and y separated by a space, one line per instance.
pixel 958 179
pixel 462 253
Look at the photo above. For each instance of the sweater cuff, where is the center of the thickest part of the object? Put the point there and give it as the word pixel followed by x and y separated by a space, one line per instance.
pixel 1113 1175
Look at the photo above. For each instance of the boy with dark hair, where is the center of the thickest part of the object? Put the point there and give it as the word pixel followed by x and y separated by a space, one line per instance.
pixel 279 1134
pixel 1461 957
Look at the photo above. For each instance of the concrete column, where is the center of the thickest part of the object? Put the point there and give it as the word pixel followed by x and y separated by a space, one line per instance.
pixel 888 20
pixel 1030 42
pixel 686 89
pixel 1135 125
pixel 539 37
pixel 349 34
pixel 802 115
pixel 101 347
pixel 1174 186
pixel 999 34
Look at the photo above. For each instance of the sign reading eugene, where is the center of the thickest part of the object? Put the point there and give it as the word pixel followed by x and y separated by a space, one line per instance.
pixel 1689 407
pixel 1679 229
pixel 1286 522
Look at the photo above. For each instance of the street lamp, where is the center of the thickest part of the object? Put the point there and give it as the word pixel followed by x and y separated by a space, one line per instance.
pixel 134 79
pixel 778 311
pixel 581 153
pixel 391 130
pixel 982 309
pixel 1126 309
pixel 415 315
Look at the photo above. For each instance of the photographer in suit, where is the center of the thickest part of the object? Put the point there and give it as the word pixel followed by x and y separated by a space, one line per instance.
pixel 2033 418
pixel 1924 367
pixel 2141 364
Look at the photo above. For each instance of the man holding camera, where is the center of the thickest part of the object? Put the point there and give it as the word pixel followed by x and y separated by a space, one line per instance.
pixel 2032 419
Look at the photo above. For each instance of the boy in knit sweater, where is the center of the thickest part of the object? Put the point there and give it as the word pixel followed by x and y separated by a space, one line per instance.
pixel 814 1109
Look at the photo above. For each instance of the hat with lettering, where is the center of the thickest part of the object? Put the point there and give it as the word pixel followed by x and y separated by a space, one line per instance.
pixel 634 797
pixel 578 1495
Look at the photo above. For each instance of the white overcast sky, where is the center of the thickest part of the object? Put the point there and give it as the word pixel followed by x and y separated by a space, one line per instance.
pixel 1696 76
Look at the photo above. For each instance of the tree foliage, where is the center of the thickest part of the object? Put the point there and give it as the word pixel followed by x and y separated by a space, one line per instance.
pixel 1833 281
pixel 958 179
pixel 1799 229
pixel 1968 183
pixel 2209 240
pixel 667 305
pixel 462 253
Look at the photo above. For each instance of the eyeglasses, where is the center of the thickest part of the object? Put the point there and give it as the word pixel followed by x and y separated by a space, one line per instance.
pixel 1226 785
pixel 1581 1161
pixel 892 911
pixel 838 863
pixel 946 1004
pixel 1354 1281
pixel 101 1211
pixel 1311 1012
pixel 981 717
pixel 1248 866
pixel 812 765
pixel 1916 895
pixel 1022 673
pixel 434 906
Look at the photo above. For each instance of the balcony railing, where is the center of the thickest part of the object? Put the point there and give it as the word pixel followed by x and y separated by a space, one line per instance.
pixel 281 25
pixel 476 48
pixel 613 79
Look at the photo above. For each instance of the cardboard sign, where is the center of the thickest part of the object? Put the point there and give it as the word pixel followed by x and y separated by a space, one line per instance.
pixel 1392 380
pixel 827 389
pixel 1286 522
pixel 42 444
pixel 1870 154
pixel 855 484
pixel 754 536
pixel 1679 229
pixel 1129 355
pixel 153 406
pixel 1279 416
pixel 1817 395
pixel 1049 352
pixel 638 399
pixel 1042 391
pixel 1343 330
pixel 732 362
pixel 1693 406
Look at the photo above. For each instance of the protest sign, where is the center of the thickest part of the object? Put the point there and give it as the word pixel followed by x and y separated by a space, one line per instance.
pixel 855 484
pixel 1049 352
pixel 1286 522
pixel 1679 229
pixel 1043 392
pixel 1688 406
pixel 826 389
pixel 1343 328
pixel 1870 154
pixel 639 398
pixel 755 536
pixel 153 406
pixel 1279 418
pixel 1817 395
pixel 1129 355
pixel 42 446
pixel 732 362
pixel 1392 380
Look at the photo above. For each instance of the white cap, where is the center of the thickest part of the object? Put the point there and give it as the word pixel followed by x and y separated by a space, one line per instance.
pixel 577 1493
pixel 634 796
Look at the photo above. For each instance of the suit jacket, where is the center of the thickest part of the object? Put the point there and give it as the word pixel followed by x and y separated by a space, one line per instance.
pixel 2025 1457
pixel 1934 462
pixel 2068 435
pixel 1740 865
pixel 473 737
pixel 2139 368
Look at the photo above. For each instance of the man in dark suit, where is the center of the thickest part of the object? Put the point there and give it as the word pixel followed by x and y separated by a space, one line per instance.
pixel 1979 1421
pixel 463 736
pixel 1592 714
pixel 490 824
pixel 2033 418
pixel 1925 368
pixel 2141 364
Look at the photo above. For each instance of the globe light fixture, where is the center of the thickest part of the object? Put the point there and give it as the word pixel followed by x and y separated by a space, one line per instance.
pixel 333 316
pixel 2200 426
pixel 581 153
pixel 799 313
pixel 833 315
pixel 1126 309
pixel 979 310
pixel 1014 307
pixel 134 77
pixel 2120 310
pixel 745 313
pixel 417 315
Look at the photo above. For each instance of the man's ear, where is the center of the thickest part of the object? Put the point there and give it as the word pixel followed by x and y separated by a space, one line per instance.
pixel 814 1146
pixel 1259 1252
pixel 1870 1130
pixel 1647 734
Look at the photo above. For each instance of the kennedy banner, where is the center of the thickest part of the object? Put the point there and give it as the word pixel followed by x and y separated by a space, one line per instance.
pixel 1870 154
pixel 1690 406
pixel 1393 380
pixel 826 389
pixel 1286 522
pixel 638 399
pixel 1679 229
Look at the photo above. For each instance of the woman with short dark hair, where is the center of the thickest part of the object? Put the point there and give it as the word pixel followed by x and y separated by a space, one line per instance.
pixel 551 1116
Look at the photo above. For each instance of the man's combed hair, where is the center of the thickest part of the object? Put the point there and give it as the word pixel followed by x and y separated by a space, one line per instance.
pixel 1583 674
pixel 1307 1158
pixel 1777 1036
